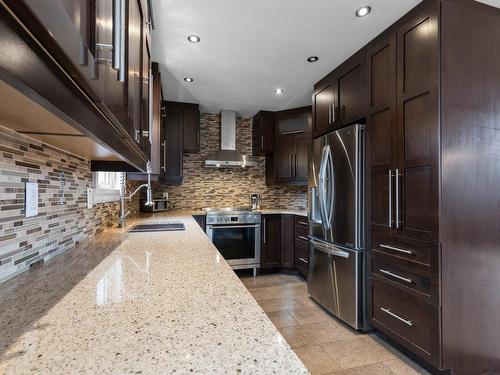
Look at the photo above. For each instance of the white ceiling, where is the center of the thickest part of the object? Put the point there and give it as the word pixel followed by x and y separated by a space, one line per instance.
pixel 250 47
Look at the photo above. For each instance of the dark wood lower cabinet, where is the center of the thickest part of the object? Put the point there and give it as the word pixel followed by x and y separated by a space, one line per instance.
pixel 301 245
pixel 284 243
pixel 287 241
pixel 270 255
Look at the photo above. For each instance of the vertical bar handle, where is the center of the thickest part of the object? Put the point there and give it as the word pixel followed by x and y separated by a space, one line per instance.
pixel 264 231
pixel 164 145
pixel 390 198
pixel 398 222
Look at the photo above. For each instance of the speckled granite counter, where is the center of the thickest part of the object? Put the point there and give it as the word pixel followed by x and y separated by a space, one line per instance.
pixel 146 303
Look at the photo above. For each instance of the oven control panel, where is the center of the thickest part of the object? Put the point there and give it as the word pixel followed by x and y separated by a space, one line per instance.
pixel 250 218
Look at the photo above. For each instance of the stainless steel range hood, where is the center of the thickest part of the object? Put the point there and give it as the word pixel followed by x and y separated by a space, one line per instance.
pixel 228 156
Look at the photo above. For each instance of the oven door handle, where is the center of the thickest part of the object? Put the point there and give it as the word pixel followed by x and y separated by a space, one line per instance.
pixel 233 226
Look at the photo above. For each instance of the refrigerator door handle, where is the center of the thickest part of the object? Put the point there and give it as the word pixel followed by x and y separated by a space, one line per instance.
pixel 329 249
pixel 331 182
pixel 321 189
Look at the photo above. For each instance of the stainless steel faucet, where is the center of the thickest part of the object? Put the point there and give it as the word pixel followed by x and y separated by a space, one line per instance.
pixel 149 195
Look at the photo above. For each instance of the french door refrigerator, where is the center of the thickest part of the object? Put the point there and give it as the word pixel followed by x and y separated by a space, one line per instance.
pixel 336 224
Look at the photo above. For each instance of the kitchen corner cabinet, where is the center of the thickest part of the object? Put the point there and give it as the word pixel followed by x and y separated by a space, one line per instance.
pixel 287 241
pixel 340 98
pixel 263 133
pixel 191 126
pixel 289 162
pixel 181 121
pixel 270 254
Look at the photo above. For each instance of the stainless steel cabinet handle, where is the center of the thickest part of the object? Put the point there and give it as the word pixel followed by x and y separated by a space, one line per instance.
pixel 390 198
pixel 164 145
pixel 262 142
pixel 389 312
pixel 398 222
pixel 397 249
pixel 232 226
pixel 329 114
pixel 333 113
pixel 303 238
pixel 409 281
pixel 264 231
pixel 292 132
pixel 303 223
pixel 120 38
pixel 303 260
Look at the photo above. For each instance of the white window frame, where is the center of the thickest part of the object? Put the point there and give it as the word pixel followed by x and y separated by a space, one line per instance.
pixel 101 195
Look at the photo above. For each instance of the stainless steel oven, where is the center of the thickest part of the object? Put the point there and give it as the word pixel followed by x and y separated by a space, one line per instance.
pixel 236 232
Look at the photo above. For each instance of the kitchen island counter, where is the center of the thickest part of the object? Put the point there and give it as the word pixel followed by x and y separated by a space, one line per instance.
pixel 144 303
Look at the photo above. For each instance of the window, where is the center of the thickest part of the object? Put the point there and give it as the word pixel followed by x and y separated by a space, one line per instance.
pixel 107 186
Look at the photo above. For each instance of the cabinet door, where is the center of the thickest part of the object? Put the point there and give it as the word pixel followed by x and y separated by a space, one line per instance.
pixel 352 93
pixel 156 128
pixel 283 158
pixel 145 109
pixel 192 132
pixel 271 241
pixel 324 109
pixel 381 133
pixel 111 87
pixel 287 241
pixel 302 144
pixel 174 144
pixel 134 53
pixel 263 131
pixel 418 127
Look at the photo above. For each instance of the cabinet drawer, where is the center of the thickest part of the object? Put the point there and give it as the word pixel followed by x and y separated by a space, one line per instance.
pixel 409 276
pixel 423 252
pixel 406 318
pixel 301 233
pixel 301 221
pixel 301 256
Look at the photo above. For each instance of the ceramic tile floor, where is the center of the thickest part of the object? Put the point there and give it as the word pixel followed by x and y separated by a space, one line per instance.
pixel 325 345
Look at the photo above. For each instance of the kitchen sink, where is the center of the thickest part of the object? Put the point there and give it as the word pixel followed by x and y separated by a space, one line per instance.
pixel 156 227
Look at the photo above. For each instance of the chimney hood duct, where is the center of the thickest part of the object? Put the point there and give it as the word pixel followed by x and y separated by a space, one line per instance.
pixel 228 156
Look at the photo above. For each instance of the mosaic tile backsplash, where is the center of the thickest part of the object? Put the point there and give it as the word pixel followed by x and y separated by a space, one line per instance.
pixel 207 187
pixel 57 227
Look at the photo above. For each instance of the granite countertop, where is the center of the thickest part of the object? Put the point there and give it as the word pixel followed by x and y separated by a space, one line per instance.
pixel 144 303
pixel 266 211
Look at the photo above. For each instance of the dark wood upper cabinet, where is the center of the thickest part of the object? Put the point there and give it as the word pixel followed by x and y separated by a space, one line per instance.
pixel 157 129
pixel 352 92
pixel 80 51
pixel 263 133
pixel 181 120
pixel 325 107
pixel 112 89
pixel 271 241
pixel 288 164
pixel 134 84
pixel 173 146
pixel 192 130
pixel 283 158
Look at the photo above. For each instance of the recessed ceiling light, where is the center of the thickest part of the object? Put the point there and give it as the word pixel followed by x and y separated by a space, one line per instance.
pixel 313 59
pixel 194 38
pixel 188 79
pixel 363 11
pixel 279 91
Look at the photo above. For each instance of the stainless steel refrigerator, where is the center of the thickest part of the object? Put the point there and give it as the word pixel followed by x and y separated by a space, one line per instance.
pixel 336 224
